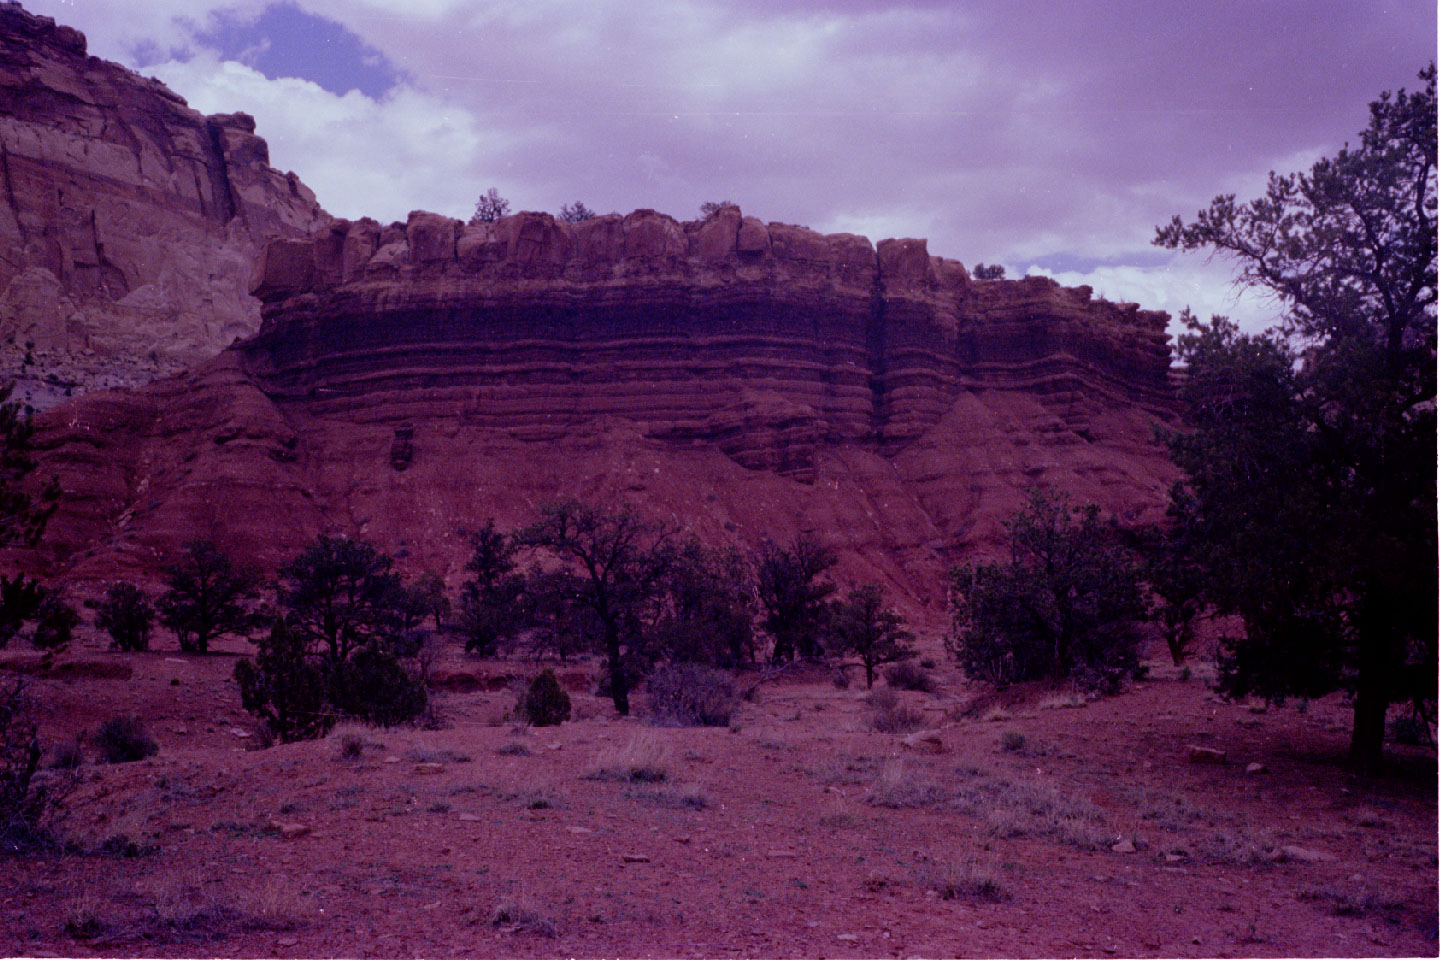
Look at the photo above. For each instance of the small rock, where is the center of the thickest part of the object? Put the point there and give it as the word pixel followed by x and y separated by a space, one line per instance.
pixel 242 734
pixel 635 858
pixel 682 839
pixel 1256 768
pixel 1124 846
pixel 1302 854
pixel 812 924
pixel 287 941
pixel 429 768
pixel 1195 940
pixel 392 759
pixel 848 937
pixel 1199 754
pixel 469 818
pixel 926 741
pixel 1174 857
pixel 580 831
pixel 289 831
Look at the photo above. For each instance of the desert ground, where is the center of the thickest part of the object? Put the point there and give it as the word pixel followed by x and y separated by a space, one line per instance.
pixel 1032 822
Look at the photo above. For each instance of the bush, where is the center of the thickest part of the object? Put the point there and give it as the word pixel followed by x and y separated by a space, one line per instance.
pixel 909 675
pixel 375 687
pixel 67 756
pixel 545 704
pixel 891 716
pixel 55 623
pixel 284 687
pixel 126 614
pixel 23 800
pixel 1012 742
pixel 690 695
pixel 124 740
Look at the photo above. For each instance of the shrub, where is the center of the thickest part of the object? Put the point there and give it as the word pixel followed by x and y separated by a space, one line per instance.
pixel 374 686
pixel 124 740
pixel 490 207
pixel 55 623
pixel 862 625
pixel 909 675
pixel 891 716
pixel 67 756
pixel 639 761
pixel 284 688
pixel 690 695
pixel 961 881
pixel 1410 729
pixel 1012 742
pixel 545 704
pixel 126 614
pixel 23 800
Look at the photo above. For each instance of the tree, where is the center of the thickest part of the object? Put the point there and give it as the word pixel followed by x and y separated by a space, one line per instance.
pixel 490 207
pixel 285 686
pixel 1311 453
pixel 429 588
pixel 1172 570
pixel 340 595
pixel 575 212
pixel 22 516
pixel 21 599
pixel 490 601
pixel 55 622
pixel 1064 605
pixel 126 614
pixel 207 597
pixel 991 272
pixel 793 597
pixel 708 615
pixel 862 625
pixel 616 564
pixel 709 208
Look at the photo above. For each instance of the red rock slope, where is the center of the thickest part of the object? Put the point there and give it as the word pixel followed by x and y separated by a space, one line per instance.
pixel 128 222
pixel 742 378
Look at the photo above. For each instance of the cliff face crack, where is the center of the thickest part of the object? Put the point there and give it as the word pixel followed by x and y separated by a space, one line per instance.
pixel 219 170
pixel 875 357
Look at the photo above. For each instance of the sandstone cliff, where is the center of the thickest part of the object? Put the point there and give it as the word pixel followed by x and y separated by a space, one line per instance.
pixel 128 222
pixel 742 378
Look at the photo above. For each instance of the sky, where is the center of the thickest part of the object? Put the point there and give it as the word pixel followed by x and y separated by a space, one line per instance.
pixel 1049 137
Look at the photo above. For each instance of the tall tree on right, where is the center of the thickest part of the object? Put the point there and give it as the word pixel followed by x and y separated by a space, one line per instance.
pixel 1310 462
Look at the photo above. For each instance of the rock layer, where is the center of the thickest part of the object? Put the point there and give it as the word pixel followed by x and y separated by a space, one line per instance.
pixel 741 378
pixel 128 221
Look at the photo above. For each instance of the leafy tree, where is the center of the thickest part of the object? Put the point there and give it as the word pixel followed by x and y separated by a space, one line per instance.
pixel 20 601
pixel 709 208
pixel 55 622
pixel 575 212
pixel 374 685
pixel 993 271
pixel 490 601
pixel 1172 569
pixel 340 595
pixel 490 207
pixel 1065 604
pixel 430 595
pixel 615 565
pixel 285 686
pixel 207 597
pixel 127 615
pixel 793 597
pixel 862 626
pixel 708 615
pixel 1312 455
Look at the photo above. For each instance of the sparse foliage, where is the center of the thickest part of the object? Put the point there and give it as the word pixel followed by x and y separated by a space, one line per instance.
pixel 575 212
pixel 793 597
pixel 20 600
pixel 1311 458
pixel 490 207
pixel 124 740
pixel 708 613
pixel 22 516
pixel 490 601
pixel 127 615
pixel 428 593
pixel 1065 605
pixel 690 695
pixel 862 626
pixel 208 597
pixel 340 595
pixel 55 622
pixel 24 800
pixel 709 208
pixel 992 271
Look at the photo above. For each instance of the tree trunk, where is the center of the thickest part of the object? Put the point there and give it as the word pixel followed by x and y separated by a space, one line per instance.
pixel 1367 736
pixel 619 690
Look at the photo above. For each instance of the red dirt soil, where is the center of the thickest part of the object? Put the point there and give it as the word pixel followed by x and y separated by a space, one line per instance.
pixel 799 831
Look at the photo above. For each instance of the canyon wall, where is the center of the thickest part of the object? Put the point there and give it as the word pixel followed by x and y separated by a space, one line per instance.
pixel 128 221
pixel 741 378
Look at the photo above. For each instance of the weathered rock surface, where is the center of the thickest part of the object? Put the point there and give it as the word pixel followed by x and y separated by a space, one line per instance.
pixel 128 221
pixel 747 380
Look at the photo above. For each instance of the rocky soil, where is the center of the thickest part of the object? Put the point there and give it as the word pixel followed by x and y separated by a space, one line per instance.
pixel 1037 823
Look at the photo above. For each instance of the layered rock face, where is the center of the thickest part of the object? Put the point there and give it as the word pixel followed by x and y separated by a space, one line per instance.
pixel 128 222
pixel 744 379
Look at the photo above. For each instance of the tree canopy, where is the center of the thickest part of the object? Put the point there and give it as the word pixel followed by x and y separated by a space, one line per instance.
pixel 1310 458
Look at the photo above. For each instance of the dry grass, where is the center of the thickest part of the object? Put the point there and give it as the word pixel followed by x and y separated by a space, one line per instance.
pixel 1354 900
pixel 352 740
pixel 892 716
pixel 513 749
pixel 689 797
pixel 642 760
pixel 1064 701
pixel 899 787
pixel 522 914
pixel 964 880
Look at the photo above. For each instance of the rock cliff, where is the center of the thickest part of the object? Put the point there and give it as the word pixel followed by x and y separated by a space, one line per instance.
pixel 128 222
pixel 746 379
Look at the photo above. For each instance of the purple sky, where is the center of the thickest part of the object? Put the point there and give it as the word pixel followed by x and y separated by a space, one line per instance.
pixel 1049 137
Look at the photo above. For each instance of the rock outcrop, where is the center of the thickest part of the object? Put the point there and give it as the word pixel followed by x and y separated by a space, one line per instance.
pixel 742 378
pixel 128 221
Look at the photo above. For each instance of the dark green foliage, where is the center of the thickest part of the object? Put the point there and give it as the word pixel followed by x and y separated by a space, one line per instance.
pixel 708 613
pixel 1064 605
pixel 490 602
pixel 490 207
pixel 208 597
pixel 575 212
pixel 613 571
pixel 1311 462
pixel 126 614
pixel 862 626
pixel 990 272
pixel 428 594
pixel 690 695
pixel 285 686
pixel 1172 569
pixel 545 703
pixel 22 516
pixel 340 595
pixel 793 597
pixel 55 622
pixel 709 208
pixel 23 800
pixel 20 601
pixel 909 675
pixel 124 740
pixel 374 686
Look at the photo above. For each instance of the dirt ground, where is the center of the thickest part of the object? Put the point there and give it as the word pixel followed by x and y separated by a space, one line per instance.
pixel 1040 825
